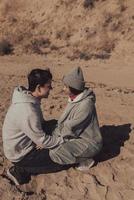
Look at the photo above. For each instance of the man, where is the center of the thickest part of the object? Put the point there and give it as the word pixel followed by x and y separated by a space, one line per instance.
pixel 23 128
pixel 78 125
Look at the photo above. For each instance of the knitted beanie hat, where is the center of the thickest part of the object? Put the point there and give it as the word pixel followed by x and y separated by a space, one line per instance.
pixel 75 79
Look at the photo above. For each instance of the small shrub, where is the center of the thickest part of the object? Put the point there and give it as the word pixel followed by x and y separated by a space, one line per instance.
pixel 53 47
pixel 102 56
pixel 32 48
pixel 85 56
pixel 88 3
pixel 37 45
pixel 80 55
pixel 5 48
pixel 45 43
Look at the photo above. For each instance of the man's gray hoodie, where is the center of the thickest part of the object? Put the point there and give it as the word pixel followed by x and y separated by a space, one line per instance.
pixel 22 128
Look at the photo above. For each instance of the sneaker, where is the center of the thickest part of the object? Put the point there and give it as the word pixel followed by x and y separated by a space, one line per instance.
pixel 16 177
pixel 85 165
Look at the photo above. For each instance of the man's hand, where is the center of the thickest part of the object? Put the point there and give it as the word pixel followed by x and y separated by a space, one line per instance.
pixel 38 147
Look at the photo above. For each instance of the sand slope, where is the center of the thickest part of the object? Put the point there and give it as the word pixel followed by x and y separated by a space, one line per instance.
pixel 67 27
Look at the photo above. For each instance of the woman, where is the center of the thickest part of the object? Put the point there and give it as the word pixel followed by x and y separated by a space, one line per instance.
pixel 78 125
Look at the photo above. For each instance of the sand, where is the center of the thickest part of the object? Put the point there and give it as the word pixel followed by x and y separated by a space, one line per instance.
pixel 100 40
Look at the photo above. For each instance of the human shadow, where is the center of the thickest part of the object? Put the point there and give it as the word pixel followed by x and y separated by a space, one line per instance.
pixel 113 139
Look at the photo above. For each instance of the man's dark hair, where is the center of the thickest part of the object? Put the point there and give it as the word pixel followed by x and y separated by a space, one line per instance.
pixel 75 91
pixel 38 77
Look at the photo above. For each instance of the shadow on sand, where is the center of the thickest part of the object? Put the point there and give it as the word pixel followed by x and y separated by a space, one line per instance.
pixel 113 139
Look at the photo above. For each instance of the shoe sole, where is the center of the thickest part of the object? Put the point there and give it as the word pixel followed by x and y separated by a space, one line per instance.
pixel 87 168
pixel 12 178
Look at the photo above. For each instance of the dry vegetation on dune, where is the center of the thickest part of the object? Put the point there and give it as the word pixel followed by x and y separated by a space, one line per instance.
pixel 81 29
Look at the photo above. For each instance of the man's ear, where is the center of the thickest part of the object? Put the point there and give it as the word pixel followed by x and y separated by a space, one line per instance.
pixel 38 88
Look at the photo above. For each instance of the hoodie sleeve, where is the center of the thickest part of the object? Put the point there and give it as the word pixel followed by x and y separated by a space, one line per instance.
pixel 31 126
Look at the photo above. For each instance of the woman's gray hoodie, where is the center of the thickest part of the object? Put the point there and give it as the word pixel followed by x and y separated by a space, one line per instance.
pixel 79 125
pixel 22 128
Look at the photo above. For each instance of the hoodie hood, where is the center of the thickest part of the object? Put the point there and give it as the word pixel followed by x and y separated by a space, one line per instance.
pixel 87 93
pixel 23 95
